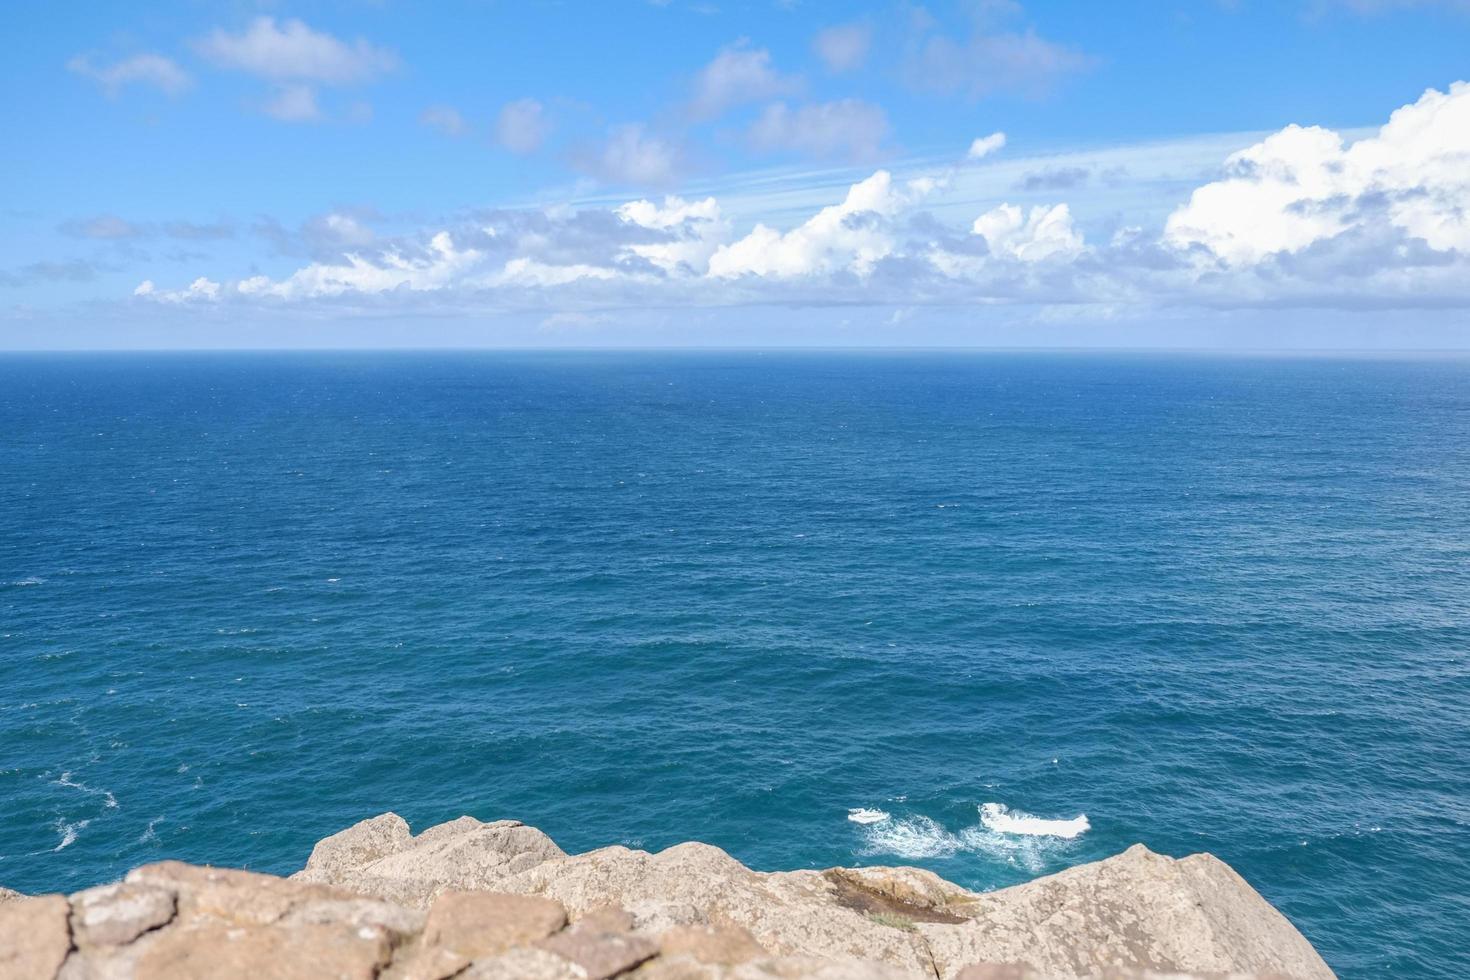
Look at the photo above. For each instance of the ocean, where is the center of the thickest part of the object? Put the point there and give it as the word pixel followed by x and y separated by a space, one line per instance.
pixel 815 608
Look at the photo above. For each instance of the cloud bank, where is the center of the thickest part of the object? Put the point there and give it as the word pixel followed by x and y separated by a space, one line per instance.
pixel 1303 217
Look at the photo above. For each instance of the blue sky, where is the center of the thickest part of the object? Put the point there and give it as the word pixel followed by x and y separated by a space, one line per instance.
pixel 1172 173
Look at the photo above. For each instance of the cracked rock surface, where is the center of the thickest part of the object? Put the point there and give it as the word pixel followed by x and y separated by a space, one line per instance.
pixel 496 900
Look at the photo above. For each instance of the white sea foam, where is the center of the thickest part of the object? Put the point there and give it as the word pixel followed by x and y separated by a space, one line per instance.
pixel 109 800
pixel 912 837
pixel 1004 820
pixel 1016 838
pixel 862 814
pixel 30 580
pixel 68 832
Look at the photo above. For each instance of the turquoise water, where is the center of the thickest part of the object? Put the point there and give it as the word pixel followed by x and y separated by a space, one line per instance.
pixel 1212 603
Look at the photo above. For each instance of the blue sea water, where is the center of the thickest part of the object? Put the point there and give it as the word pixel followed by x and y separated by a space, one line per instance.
pixel 1213 603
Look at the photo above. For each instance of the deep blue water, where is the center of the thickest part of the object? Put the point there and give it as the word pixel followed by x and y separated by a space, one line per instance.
pixel 1213 603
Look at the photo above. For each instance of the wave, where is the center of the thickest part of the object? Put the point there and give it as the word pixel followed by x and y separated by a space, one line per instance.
pixel 1013 837
pixel 1004 820
pixel 68 832
pixel 861 814
pixel 29 580
pixel 109 800
pixel 912 837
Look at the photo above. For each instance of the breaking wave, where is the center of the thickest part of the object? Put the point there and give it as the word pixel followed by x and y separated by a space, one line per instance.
pixel 1002 834
pixel 1003 820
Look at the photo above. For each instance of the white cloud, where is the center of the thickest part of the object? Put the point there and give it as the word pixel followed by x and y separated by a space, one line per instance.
pixel 849 128
pixel 983 146
pixel 446 119
pixel 843 48
pixel 337 230
pixel 1042 234
pixel 142 69
pixel 694 230
pixel 737 75
pixel 1302 186
pixel 292 51
pixel 522 126
pixel 632 156
pixel 1301 218
pixel 850 236
pixel 293 103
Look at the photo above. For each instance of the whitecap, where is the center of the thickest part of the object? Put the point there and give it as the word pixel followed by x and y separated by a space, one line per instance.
pixel 912 837
pixel 1004 820
pixel 150 834
pixel 68 832
pixel 862 814
pixel 1016 838
pixel 109 800
pixel 29 580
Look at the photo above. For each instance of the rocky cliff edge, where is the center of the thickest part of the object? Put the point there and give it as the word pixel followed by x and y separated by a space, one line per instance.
pixel 500 901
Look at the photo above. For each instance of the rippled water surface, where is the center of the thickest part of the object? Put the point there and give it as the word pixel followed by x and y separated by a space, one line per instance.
pixel 1210 603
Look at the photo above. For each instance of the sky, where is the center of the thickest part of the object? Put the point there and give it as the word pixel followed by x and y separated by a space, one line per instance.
pixel 1235 174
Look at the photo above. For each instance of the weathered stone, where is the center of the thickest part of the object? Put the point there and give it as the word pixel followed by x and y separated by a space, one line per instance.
pixel 426 963
pixel 1139 910
pixel 777 968
pixel 599 954
pixel 361 844
pixel 1137 916
pixel 524 963
pixel 463 855
pixel 117 914
pixel 282 952
pixel 240 897
pixel 34 937
pixel 7 895
pixel 996 971
pixel 483 924
pixel 394 921
pixel 727 945
pixel 790 914
pixel 608 918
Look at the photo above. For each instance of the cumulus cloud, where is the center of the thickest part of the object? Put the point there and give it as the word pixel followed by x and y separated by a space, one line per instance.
pixel 522 126
pixel 843 48
pixel 738 74
pixel 153 70
pixel 292 51
pixel 691 232
pixel 850 236
pixel 848 128
pixel 446 119
pixel 1045 232
pixel 1302 186
pixel 296 58
pixel 983 146
pixel 1301 218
